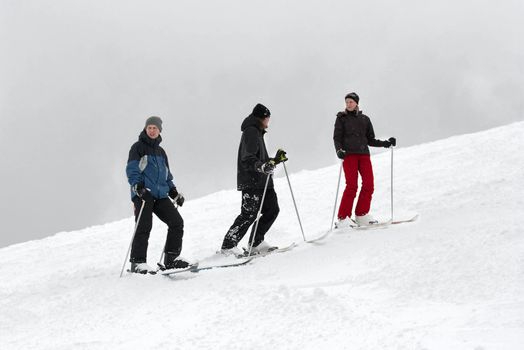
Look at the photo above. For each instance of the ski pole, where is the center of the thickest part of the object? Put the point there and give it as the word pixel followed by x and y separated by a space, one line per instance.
pixel 294 202
pixel 392 183
pixel 252 240
pixel 133 238
pixel 336 197
pixel 159 263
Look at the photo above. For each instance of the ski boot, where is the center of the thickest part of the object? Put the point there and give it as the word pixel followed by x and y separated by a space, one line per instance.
pixel 142 268
pixel 262 248
pixel 365 220
pixel 173 261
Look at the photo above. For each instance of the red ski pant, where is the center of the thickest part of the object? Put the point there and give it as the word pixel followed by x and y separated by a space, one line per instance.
pixel 355 164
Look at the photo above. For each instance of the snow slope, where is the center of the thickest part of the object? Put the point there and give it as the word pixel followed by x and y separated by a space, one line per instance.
pixel 452 280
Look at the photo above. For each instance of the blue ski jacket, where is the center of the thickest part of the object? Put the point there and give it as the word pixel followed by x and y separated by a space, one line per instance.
pixel 148 164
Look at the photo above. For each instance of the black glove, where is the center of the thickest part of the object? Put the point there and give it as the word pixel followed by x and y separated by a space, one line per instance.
pixel 179 200
pixel 142 192
pixel 280 157
pixel 173 193
pixel 267 167
pixel 341 154
pixel 390 142
pixel 177 197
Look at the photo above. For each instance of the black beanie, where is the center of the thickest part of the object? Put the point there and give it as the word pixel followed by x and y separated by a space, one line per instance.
pixel 154 121
pixel 353 96
pixel 261 111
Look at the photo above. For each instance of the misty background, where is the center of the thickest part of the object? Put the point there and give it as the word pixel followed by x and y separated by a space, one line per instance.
pixel 79 78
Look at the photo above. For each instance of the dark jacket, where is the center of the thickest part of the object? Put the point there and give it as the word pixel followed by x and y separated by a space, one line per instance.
pixel 252 153
pixel 354 133
pixel 148 164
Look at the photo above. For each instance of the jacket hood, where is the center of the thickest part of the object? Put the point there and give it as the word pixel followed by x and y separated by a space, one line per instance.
pixel 250 120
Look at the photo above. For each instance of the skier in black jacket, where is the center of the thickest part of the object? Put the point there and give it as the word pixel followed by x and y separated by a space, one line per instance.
pixel 352 136
pixel 253 168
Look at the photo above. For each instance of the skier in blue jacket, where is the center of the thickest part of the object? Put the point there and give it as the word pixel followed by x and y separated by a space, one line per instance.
pixel 152 187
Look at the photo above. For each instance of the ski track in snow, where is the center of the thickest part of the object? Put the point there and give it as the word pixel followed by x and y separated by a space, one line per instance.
pixel 453 279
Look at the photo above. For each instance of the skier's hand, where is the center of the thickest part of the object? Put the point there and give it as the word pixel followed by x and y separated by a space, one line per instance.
pixel 139 189
pixel 179 199
pixel 173 193
pixel 280 157
pixel 390 142
pixel 268 167
pixel 142 192
pixel 341 154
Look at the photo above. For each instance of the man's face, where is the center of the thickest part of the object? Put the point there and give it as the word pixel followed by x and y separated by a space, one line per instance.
pixel 265 123
pixel 152 131
pixel 350 105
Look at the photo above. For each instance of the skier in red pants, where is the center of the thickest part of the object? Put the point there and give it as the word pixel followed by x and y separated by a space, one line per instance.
pixel 353 134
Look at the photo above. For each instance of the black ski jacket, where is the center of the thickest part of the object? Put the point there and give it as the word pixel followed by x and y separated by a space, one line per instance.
pixel 354 133
pixel 252 153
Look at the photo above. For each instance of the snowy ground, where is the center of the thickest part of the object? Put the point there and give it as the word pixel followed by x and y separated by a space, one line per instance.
pixel 452 280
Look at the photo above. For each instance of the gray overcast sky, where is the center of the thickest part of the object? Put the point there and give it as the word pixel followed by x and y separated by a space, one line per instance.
pixel 79 78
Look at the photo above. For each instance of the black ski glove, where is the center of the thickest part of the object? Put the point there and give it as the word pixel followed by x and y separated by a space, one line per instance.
pixel 390 142
pixel 173 193
pixel 280 157
pixel 142 192
pixel 178 198
pixel 341 154
pixel 267 167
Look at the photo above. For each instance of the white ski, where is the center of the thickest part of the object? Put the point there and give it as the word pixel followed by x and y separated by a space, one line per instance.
pixel 384 223
pixel 169 272
pixel 220 261
pixel 271 251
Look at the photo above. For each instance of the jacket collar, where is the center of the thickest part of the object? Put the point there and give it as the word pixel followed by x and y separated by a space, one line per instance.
pixel 149 141
pixel 252 121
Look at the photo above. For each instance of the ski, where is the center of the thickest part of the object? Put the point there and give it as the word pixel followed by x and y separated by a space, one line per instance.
pixel 239 262
pixel 150 272
pixel 197 267
pixel 384 224
pixel 168 272
pixel 414 218
pixel 271 251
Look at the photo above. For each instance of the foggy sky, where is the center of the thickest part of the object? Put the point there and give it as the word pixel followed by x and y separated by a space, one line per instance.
pixel 79 78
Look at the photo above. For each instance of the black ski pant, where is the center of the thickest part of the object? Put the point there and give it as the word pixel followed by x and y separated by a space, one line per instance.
pixel 165 210
pixel 250 205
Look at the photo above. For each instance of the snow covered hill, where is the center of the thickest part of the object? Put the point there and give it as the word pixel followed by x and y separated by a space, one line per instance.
pixel 454 279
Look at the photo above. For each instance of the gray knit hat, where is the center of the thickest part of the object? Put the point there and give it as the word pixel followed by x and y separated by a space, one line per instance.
pixel 154 121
